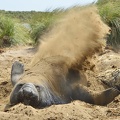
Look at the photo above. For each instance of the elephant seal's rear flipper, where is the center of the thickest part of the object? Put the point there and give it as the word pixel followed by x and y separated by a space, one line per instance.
pixel 98 98
pixel 106 96
pixel 16 72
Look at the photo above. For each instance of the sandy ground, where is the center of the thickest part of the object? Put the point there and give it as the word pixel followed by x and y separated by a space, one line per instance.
pixel 104 63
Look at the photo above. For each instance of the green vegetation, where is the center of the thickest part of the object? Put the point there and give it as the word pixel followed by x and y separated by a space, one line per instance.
pixel 12 32
pixel 41 23
pixel 28 27
pixel 38 30
pixel 21 35
pixel 110 12
pixel 6 31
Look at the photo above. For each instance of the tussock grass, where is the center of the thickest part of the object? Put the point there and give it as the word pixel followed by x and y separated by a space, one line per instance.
pixel 110 12
pixel 6 31
pixel 39 22
pixel 21 35
pixel 13 33
pixel 40 25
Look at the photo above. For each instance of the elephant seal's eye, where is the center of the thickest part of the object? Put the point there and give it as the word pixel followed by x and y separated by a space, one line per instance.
pixel 21 84
pixel 38 88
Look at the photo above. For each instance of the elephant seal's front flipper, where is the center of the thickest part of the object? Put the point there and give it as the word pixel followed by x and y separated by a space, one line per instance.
pixel 7 107
pixel 16 72
pixel 97 98
pixel 13 97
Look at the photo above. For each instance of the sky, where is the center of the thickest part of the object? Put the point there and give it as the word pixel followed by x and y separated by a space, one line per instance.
pixel 39 5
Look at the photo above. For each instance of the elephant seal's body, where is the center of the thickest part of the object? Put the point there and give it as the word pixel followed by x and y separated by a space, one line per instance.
pixel 54 85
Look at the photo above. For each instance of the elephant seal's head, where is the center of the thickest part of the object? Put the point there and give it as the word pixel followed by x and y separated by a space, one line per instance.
pixel 28 94
pixel 37 96
pixel 30 91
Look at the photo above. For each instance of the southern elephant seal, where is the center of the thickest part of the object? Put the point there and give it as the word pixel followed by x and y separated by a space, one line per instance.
pixel 55 84
pixel 54 76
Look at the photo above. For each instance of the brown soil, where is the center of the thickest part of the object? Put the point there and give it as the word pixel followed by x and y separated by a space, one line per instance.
pixel 77 110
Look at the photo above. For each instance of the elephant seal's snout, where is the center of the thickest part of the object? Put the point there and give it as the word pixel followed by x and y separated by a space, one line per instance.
pixel 28 94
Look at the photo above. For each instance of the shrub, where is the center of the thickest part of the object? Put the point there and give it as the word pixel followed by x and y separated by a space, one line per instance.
pixel 6 31
pixel 110 12
pixel 41 25
pixel 114 37
pixel 21 35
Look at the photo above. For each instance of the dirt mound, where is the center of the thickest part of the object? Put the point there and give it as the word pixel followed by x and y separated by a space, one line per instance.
pixel 73 111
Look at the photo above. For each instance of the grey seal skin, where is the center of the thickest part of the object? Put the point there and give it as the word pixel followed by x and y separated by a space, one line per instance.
pixel 114 81
pixel 33 88
pixel 16 72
